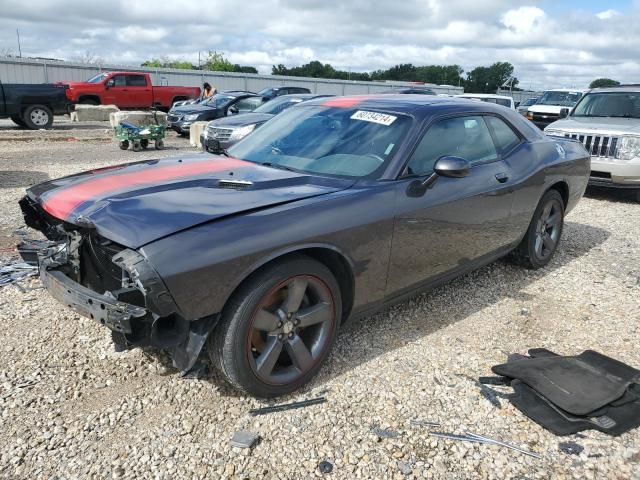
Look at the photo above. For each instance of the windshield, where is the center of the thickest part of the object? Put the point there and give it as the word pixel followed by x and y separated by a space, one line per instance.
pixel 618 104
pixel 326 140
pixel 217 101
pixel 97 78
pixel 266 92
pixel 563 99
pixel 528 102
pixel 277 105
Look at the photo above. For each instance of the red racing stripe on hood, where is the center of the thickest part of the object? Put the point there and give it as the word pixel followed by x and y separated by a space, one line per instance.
pixel 61 203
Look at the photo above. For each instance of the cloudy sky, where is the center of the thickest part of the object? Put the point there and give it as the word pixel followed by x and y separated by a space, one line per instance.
pixel 550 43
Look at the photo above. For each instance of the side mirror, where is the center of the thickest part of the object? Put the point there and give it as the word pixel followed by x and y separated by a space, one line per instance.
pixel 110 83
pixel 564 112
pixel 447 166
pixel 233 109
pixel 454 167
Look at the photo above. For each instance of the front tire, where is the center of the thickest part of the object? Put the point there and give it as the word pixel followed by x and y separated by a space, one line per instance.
pixel 278 328
pixel 38 116
pixel 544 232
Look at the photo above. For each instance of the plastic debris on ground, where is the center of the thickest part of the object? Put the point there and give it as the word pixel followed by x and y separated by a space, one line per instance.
pixel 244 439
pixel 16 270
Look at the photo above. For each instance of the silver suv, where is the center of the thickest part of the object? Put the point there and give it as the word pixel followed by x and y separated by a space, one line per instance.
pixel 607 122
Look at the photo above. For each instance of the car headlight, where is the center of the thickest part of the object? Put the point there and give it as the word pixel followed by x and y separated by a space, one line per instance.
pixel 530 115
pixel 242 132
pixel 628 148
pixel 191 118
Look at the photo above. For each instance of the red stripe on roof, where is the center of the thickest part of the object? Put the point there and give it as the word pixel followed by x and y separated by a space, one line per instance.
pixel 345 102
pixel 61 203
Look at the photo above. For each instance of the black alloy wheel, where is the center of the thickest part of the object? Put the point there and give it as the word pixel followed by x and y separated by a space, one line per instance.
pixel 278 328
pixel 290 329
pixel 543 235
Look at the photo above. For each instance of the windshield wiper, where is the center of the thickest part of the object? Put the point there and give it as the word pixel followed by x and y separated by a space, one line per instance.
pixel 276 165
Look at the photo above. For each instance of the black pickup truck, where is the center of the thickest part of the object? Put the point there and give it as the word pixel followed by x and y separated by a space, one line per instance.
pixel 33 106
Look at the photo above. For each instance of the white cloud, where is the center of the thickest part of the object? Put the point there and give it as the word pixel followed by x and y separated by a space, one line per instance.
pixel 523 20
pixel 607 14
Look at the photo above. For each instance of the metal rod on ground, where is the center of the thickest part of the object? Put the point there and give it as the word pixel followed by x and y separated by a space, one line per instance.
pixel 506 445
pixel 287 406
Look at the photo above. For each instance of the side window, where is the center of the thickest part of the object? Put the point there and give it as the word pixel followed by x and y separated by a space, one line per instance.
pixel 119 81
pixel 136 81
pixel 505 137
pixel 466 137
pixel 248 104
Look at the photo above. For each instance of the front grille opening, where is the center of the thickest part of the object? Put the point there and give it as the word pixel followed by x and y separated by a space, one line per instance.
pixel 604 175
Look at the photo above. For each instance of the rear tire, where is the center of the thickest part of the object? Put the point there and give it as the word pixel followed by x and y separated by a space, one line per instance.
pixel 159 144
pixel 543 235
pixel 136 146
pixel 38 116
pixel 255 321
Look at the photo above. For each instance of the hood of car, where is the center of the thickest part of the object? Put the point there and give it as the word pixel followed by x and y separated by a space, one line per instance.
pixel 241 120
pixel 137 203
pixel 597 125
pixel 191 109
pixel 552 109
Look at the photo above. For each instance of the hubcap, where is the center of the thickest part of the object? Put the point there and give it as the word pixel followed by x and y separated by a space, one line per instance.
pixel 548 229
pixel 291 329
pixel 39 117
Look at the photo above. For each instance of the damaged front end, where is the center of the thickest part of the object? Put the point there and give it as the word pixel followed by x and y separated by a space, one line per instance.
pixel 115 286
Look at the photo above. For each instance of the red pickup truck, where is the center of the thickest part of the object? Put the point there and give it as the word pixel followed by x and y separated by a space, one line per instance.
pixel 127 90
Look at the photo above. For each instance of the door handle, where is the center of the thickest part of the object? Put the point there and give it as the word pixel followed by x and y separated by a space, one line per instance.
pixel 502 177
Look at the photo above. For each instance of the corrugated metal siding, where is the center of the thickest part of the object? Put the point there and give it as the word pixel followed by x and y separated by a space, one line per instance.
pixel 26 70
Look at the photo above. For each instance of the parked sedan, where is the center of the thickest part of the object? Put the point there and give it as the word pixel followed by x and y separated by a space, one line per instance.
pixel 273 92
pixel 220 134
pixel 331 210
pixel 217 106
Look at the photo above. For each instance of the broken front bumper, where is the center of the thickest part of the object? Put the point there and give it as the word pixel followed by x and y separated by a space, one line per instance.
pixel 104 309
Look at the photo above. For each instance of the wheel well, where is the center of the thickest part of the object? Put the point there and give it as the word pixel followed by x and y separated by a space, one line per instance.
pixel 563 190
pixel 336 263
pixel 89 97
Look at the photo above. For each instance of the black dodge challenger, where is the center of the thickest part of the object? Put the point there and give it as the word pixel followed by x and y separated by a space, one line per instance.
pixel 332 210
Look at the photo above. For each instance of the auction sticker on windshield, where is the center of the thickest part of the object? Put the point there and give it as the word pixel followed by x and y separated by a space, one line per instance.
pixel 374 117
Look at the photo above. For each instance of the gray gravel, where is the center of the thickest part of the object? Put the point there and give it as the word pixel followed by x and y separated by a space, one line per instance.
pixel 71 407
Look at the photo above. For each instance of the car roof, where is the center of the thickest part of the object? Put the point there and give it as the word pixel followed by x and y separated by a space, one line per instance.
pixel 621 88
pixel 304 96
pixel 582 90
pixel 419 105
pixel 482 95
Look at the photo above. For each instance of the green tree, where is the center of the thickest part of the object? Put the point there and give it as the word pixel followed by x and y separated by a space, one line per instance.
pixel 217 62
pixel 604 82
pixel 164 62
pixel 489 79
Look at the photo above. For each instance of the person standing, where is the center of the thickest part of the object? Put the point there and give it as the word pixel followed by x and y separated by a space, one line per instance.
pixel 208 91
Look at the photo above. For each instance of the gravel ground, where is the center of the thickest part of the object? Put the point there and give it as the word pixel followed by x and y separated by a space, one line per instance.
pixel 71 407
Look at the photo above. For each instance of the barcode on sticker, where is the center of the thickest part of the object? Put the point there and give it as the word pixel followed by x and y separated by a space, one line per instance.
pixel 374 117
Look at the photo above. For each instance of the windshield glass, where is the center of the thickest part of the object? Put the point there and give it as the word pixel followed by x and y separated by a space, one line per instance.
pixel 277 105
pixel 97 78
pixel 529 102
pixel 618 104
pixel 266 92
pixel 326 140
pixel 563 99
pixel 217 101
